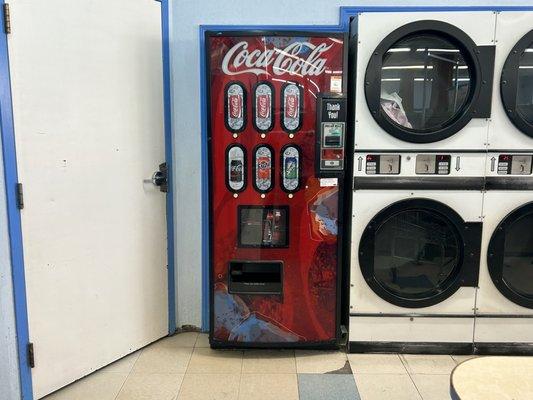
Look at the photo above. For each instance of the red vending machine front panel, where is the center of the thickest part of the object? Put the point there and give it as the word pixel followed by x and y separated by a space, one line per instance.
pixel 274 222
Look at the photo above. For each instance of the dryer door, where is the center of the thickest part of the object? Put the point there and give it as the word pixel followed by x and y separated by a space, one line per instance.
pixel 418 252
pixel 516 84
pixel 427 80
pixel 510 256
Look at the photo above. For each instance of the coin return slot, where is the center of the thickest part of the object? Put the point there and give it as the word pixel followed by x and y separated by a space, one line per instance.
pixel 255 277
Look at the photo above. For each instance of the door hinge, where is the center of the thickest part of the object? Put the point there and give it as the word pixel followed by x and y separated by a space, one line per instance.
pixel 31 355
pixel 20 196
pixel 7 19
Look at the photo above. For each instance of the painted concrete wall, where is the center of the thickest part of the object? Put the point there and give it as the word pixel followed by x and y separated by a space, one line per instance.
pixel 9 375
pixel 186 16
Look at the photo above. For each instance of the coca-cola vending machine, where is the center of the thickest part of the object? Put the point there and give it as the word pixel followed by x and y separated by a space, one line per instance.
pixel 277 137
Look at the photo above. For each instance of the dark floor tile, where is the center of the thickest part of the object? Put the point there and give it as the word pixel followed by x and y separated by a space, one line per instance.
pixel 327 386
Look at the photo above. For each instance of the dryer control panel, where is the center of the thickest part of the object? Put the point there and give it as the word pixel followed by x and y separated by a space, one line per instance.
pixel 426 165
pixel 512 164
pixel 433 164
pixel 383 164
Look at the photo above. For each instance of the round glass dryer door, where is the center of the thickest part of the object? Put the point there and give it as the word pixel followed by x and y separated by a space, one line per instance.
pixel 517 85
pixel 421 81
pixel 510 256
pixel 411 254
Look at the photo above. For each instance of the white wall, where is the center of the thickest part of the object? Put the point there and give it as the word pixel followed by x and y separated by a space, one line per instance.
pixel 9 375
pixel 186 16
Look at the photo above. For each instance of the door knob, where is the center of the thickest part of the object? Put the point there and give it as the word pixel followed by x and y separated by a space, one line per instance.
pixel 160 178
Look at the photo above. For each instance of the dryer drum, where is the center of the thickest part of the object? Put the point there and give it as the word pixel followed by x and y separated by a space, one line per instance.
pixel 418 252
pixel 510 256
pixel 426 80
pixel 516 84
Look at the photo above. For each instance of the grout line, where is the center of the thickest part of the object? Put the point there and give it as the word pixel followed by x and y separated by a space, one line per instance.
pixel 404 363
pixel 186 368
pixel 240 376
pixel 129 373
pixel 416 387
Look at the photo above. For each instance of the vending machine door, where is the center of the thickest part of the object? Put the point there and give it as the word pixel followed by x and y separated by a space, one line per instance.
pixel 275 192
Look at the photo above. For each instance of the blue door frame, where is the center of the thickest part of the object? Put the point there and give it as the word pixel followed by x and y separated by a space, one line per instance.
pixel 346 13
pixel 13 213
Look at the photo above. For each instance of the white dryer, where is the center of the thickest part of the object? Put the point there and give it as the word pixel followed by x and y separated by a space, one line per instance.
pixel 423 80
pixel 504 308
pixel 511 126
pixel 416 238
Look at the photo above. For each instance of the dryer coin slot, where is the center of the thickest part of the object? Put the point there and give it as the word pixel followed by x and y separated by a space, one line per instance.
pixel 521 165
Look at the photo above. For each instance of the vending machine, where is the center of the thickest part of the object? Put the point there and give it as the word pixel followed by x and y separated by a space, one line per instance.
pixel 277 153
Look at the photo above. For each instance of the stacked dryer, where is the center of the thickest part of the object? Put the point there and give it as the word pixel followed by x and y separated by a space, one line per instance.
pixel 505 296
pixel 423 84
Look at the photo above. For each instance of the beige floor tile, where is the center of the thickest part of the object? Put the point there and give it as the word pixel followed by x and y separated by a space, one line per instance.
pixel 269 362
pixel 389 387
pixel 428 364
pixel 268 387
pixel 125 364
pixel 202 341
pixel 433 387
pixel 98 386
pixel 319 362
pixel 163 359
pixel 184 339
pixel 376 364
pixel 210 387
pixel 208 361
pixel 151 387
pixel 460 359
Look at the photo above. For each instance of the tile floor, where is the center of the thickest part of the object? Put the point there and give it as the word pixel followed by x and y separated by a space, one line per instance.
pixel 183 367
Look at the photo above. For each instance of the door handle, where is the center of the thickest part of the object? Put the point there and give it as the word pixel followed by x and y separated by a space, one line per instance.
pixel 160 178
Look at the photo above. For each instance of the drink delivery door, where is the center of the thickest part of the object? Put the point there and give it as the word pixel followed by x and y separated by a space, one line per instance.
pixel 277 127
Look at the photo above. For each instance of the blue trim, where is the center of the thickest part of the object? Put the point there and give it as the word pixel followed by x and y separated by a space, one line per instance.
pixel 204 186
pixel 13 215
pixel 165 31
pixel 344 25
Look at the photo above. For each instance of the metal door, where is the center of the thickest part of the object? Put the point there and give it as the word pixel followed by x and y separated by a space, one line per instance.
pixel 88 113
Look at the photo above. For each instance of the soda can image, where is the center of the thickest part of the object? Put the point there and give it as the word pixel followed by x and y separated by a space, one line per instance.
pixel 263 106
pixel 235 107
pixel 236 168
pixel 291 107
pixel 290 174
pixel 263 168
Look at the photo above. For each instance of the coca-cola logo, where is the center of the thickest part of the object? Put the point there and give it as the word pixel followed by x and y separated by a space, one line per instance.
pixel 240 60
pixel 235 106
pixel 263 106
pixel 291 106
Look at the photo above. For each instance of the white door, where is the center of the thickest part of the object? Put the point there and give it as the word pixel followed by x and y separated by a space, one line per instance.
pixel 88 107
